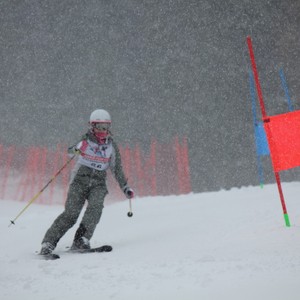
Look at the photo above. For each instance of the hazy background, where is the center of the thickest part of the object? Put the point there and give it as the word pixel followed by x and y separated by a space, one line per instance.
pixel 161 68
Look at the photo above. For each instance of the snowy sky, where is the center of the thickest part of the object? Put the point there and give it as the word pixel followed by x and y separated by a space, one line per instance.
pixel 161 68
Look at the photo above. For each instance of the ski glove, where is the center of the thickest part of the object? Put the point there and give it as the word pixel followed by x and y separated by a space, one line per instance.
pixel 128 192
pixel 77 151
pixel 73 150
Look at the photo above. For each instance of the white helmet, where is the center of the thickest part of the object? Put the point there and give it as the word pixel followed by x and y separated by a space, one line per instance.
pixel 100 116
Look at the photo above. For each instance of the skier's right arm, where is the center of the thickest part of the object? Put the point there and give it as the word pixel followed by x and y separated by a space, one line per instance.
pixel 74 150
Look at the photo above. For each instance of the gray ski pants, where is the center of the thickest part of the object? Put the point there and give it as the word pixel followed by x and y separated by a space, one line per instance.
pixel 78 193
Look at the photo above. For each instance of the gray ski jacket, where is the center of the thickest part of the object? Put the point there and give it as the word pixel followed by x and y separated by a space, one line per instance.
pixel 88 175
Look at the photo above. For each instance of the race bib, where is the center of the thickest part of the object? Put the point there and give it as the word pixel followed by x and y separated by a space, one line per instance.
pixel 95 156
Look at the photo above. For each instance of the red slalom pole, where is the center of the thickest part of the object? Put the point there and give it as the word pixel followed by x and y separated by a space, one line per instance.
pixel 285 214
pixel 255 74
pixel 264 115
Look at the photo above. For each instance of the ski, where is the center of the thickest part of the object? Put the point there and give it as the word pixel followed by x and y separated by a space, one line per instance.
pixel 51 256
pixel 104 248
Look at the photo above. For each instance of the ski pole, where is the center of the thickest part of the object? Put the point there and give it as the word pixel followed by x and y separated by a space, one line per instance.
pixel 41 191
pixel 130 214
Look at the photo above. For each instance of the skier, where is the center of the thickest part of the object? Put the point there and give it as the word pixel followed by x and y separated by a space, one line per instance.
pixel 97 152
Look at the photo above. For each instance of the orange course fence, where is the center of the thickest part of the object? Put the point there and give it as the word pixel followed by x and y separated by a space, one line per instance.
pixel 161 170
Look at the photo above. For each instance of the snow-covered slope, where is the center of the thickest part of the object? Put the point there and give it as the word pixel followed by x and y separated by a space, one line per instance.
pixel 221 245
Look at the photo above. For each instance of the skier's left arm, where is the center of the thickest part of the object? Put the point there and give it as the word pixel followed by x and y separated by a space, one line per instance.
pixel 117 170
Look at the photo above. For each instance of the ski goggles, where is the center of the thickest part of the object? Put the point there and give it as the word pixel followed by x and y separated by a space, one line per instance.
pixel 101 126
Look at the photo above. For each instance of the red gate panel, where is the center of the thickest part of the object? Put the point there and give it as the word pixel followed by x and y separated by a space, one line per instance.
pixel 283 133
